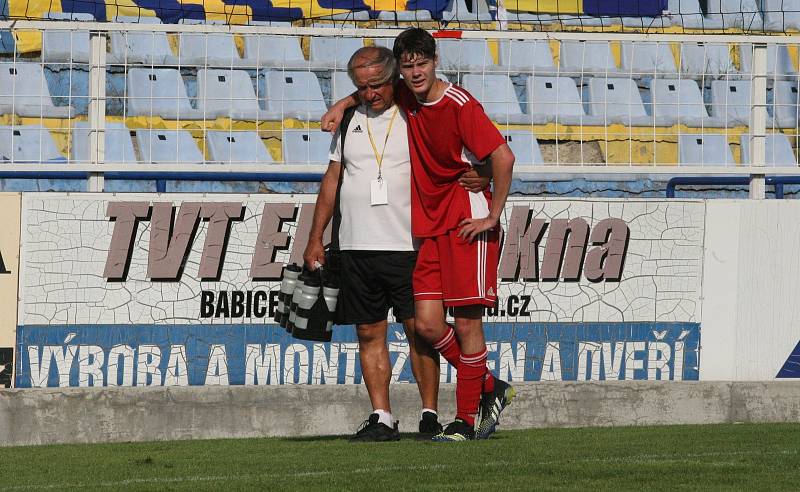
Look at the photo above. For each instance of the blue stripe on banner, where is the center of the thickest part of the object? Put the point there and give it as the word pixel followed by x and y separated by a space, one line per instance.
pixel 96 355
pixel 791 368
pixel 625 8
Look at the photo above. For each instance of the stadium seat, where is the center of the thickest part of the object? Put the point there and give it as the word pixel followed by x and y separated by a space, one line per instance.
pixel 730 103
pixel 617 101
pixel 524 146
pixel 465 55
pixel 779 150
pixel 294 95
pixel 579 58
pixel 305 147
pixel 151 48
pixel 781 15
pixel 532 19
pixel 341 86
pixel 228 94
pixel 497 96
pixel 346 18
pixel 118 145
pixel 704 150
pixel 785 104
pixel 457 11
pixel 409 16
pixel 208 50
pixel 530 56
pixel 24 92
pixel 705 60
pixel 66 46
pixel 555 99
pixel 28 144
pixel 677 102
pixel 741 14
pixel 168 147
pixel 7 43
pixel 236 147
pixel 158 92
pixel 647 59
pixel 779 62
pixel 274 51
pixel 687 13
pixel 332 52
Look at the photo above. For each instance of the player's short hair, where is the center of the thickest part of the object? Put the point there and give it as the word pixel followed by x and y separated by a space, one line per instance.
pixel 415 41
pixel 369 56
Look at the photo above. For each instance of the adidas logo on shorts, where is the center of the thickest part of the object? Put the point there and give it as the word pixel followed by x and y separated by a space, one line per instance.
pixel 357 129
pixel 490 292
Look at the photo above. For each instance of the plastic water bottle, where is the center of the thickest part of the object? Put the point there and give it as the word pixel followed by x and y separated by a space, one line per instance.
pixel 290 275
pixel 305 304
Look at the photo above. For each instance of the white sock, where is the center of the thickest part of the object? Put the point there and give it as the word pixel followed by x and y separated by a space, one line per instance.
pixel 384 418
pixel 427 410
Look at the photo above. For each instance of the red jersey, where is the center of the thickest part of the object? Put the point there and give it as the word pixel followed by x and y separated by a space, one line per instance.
pixel 445 138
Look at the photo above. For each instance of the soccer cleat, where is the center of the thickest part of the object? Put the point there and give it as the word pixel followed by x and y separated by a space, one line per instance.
pixel 372 430
pixel 456 431
pixel 429 425
pixel 492 404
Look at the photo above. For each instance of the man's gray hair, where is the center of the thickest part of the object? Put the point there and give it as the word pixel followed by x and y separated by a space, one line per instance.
pixel 369 56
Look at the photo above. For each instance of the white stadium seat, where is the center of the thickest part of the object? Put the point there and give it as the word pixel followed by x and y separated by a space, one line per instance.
pixel 305 146
pixel 647 59
pixel 704 150
pixel 578 58
pixel 524 146
pixel 555 99
pixel 730 103
pixel 785 101
pixel 497 96
pixel 228 94
pixel 66 46
pixel 168 147
pixel 465 55
pixel 208 50
pixel 274 51
pixel 24 92
pixel 531 56
pixel 779 62
pixel 781 15
pixel 28 144
pixel 237 147
pixel 742 14
pixel 617 101
pixel 779 150
pixel 332 52
pixel 159 92
pixel 405 16
pixel 457 11
pixel 294 95
pixel 687 13
pixel 701 60
pixel 341 86
pixel 118 143
pixel 150 48
pixel 677 102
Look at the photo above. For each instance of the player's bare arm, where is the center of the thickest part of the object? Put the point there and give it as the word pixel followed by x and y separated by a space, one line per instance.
pixel 323 211
pixel 502 162
pixel 476 179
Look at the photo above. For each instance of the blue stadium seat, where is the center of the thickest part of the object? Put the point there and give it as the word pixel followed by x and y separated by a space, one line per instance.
pixel 701 60
pixel 556 99
pixel 294 95
pixel 118 145
pixel 530 56
pixel 457 11
pixel 465 55
pixel 779 150
pixel 168 147
pixel 228 94
pixel 524 146
pixel 237 147
pixel 617 101
pixel 28 144
pixel 158 92
pixel 7 44
pixel 208 50
pixel 648 59
pixel 578 58
pixel 24 92
pixel 677 102
pixel 785 104
pixel 332 52
pixel 704 150
pixel 305 146
pixel 497 96
pixel 781 15
pixel 742 14
pixel 730 103
pixel 779 62
pixel 687 13
pixel 341 86
pixel 274 51
pixel 66 46
pixel 151 48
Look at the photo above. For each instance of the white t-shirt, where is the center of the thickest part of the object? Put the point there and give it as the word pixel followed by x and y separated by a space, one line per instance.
pixel 375 227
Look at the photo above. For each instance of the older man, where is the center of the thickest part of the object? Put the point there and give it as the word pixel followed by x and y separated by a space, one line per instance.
pixel 371 168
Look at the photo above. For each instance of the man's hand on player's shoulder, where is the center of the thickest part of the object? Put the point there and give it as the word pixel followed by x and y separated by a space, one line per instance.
pixel 468 229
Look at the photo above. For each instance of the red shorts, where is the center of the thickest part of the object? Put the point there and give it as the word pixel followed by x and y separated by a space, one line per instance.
pixel 456 271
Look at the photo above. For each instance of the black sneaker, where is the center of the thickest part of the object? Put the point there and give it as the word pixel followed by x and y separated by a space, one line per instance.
pixel 373 431
pixel 456 431
pixel 429 426
pixel 492 404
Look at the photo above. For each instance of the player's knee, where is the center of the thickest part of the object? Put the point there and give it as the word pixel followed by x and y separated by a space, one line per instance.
pixel 427 329
pixel 371 333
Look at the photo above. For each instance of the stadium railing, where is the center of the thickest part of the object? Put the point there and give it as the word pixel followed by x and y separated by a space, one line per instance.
pixel 121 97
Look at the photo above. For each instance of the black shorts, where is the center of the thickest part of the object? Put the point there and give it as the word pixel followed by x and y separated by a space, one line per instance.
pixel 374 281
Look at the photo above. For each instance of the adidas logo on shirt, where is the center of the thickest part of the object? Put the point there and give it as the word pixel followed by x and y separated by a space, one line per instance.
pixel 357 129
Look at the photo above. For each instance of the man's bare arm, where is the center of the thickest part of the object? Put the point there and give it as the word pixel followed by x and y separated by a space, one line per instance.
pixel 331 119
pixel 502 161
pixel 323 211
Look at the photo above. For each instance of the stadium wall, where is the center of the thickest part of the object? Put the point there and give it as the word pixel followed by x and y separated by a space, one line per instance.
pixel 9 278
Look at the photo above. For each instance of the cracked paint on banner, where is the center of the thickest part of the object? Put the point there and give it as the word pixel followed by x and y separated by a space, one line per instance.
pixel 563 260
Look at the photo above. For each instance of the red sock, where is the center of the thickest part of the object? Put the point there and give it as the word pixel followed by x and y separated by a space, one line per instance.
pixel 469 384
pixel 448 347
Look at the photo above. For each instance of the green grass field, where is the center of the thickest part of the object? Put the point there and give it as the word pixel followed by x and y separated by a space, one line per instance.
pixel 643 458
